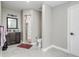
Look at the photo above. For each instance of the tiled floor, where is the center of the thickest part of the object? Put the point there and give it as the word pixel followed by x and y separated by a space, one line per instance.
pixel 14 51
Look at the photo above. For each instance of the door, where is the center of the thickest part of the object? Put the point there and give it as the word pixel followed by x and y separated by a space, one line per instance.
pixel 73 29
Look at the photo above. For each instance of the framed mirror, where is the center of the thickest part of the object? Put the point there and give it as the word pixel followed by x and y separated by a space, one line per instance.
pixel 12 23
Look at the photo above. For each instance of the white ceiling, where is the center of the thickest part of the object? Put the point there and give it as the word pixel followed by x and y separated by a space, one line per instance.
pixel 37 5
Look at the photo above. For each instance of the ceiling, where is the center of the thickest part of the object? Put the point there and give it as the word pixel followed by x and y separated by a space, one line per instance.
pixel 37 5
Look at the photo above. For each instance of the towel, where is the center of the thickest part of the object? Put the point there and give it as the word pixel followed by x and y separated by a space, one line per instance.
pixel 3 34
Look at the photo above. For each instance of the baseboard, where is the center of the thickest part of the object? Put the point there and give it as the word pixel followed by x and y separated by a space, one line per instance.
pixel 59 48
pixel 46 49
pixel 54 46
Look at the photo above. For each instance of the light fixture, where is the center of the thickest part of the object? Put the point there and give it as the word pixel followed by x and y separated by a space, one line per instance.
pixel 27 1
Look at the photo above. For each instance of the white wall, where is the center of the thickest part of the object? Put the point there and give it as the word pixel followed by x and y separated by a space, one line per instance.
pixel 5 12
pixel 54 25
pixel 59 26
pixel 59 32
pixel 46 26
pixel 35 24
pixel 0 12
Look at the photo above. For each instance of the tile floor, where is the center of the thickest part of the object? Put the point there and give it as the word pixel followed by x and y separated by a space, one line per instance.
pixel 14 51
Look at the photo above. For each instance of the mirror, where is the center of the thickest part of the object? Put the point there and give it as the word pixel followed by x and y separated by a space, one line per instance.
pixel 12 23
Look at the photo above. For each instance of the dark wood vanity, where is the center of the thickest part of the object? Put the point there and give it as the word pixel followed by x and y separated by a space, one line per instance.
pixel 0 39
pixel 13 38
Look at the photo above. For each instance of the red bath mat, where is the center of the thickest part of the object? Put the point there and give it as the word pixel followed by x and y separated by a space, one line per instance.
pixel 27 46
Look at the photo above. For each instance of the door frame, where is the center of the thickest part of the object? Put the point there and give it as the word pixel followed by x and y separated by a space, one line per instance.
pixel 68 39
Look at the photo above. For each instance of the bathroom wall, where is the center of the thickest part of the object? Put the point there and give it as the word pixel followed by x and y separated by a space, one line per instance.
pixel 5 12
pixel 59 19
pixel 47 26
pixel 0 12
pixel 54 25
pixel 36 21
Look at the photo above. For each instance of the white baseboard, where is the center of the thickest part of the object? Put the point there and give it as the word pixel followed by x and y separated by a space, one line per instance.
pixel 54 46
pixel 46 49
pixel 59 48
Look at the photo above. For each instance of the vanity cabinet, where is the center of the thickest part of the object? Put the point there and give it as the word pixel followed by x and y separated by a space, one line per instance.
pixel 13 38
pixel 0 39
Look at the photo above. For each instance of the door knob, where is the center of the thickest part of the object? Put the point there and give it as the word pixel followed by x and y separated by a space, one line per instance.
pixel 71 33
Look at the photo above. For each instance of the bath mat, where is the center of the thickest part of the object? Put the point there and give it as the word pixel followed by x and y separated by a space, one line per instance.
pixel 27 46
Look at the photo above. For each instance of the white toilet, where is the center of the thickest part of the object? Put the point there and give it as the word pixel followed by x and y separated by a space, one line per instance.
pixel 39 43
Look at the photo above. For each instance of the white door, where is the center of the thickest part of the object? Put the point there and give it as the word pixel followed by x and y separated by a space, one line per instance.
pixel 73 29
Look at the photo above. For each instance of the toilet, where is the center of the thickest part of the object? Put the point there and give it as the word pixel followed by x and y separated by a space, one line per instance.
pixel 39 43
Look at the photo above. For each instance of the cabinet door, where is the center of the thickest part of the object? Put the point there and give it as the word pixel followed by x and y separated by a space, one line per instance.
pixel 8 39
pixel 17 37
pixel 0 39
pixel 12 38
